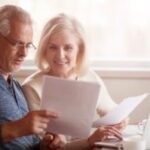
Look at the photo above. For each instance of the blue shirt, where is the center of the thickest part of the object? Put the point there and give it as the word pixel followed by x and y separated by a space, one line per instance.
pixel 13 106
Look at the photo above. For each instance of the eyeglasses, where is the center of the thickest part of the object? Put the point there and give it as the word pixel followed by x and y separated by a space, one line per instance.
pixel 18 44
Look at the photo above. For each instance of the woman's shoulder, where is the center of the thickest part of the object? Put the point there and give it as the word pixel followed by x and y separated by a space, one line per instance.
pixel 91 75
pixel 33 78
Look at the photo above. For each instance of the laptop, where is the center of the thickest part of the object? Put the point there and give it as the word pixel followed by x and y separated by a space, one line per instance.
pixel 131 130
pixel 146 133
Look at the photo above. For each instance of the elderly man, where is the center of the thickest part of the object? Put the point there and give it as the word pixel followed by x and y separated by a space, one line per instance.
pixel 18 126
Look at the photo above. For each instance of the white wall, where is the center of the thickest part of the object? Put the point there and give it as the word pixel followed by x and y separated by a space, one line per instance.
pixel 120 85
pixel 120 88
pixel 125 83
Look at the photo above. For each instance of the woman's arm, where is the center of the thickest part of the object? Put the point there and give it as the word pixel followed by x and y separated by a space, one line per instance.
pixel 100 134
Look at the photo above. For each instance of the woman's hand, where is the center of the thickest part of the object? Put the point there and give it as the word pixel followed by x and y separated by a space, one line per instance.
pixel 53 141
pixel 120 126
pixel 103 133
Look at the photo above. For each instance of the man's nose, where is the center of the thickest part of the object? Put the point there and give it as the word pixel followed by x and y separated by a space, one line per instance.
pixel 23 51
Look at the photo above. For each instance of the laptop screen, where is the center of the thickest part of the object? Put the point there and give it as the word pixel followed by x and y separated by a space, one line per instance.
pixel 147 132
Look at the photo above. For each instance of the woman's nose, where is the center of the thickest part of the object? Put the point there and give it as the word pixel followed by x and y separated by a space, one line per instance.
pixel 61 53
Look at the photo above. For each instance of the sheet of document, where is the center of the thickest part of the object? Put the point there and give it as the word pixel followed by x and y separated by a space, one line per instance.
pixel 75 103
pixel 121 111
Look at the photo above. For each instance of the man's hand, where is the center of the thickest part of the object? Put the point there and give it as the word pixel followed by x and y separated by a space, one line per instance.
pixel 35 122
pixel 53 141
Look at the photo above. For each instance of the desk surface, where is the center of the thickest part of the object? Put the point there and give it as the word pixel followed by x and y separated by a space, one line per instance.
pixel 106 149
pixel 102 149
pixel 130 130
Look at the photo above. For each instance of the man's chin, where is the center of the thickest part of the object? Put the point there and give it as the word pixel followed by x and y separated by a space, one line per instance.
pixel 15 69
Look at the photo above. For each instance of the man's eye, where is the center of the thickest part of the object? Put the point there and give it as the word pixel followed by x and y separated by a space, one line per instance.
pixel 19 44
pixel 29 45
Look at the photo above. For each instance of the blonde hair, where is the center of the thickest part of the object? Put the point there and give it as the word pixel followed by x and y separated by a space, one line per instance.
pixel 55 25
pixel 9 13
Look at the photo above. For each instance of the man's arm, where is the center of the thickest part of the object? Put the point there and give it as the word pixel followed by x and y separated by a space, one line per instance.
pixel 35 122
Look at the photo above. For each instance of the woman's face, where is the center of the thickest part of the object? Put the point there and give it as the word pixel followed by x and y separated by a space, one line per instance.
pixel 61 53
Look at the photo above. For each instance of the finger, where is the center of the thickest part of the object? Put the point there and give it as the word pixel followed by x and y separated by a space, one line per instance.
pixel 44 120
pixel 46 113
pixel 111 131
pixel 50 135
pixel 39 131
pixel 102 128
pixel 63 138
pixel 115 132
pixel 104 136
pixel 56 143
pixel 47 139
pixel 43 126
pixel 119 126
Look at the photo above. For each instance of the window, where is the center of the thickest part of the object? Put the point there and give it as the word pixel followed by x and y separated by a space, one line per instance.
pixel 117 30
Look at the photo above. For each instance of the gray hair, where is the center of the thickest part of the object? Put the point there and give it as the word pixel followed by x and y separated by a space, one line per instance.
pixel 9 12
pixel 55 25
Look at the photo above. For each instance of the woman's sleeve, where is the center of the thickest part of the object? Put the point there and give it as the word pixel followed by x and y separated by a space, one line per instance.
pixel 31 96
pixel 105 102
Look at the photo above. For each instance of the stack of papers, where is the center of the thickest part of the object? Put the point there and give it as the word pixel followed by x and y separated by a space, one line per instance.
pixel 75 103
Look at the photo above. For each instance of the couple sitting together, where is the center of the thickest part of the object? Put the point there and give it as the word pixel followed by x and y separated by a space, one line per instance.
pixel 62 53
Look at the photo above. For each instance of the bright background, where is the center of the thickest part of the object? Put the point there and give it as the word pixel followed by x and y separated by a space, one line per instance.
pixel 118 31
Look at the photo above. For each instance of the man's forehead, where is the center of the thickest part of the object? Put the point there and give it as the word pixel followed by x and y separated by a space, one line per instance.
pixel 17 22
pixel 20 31
pixel 17 26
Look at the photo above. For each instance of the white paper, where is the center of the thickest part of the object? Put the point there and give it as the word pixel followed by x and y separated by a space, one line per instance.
pixel 121 111
pixel 75 102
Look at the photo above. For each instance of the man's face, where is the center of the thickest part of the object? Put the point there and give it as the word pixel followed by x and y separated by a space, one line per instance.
pixel 11 58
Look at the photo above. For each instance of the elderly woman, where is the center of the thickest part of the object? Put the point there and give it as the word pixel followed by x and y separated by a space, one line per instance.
pixel 62 53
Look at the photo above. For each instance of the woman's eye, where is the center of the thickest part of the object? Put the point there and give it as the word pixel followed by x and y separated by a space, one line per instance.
pixel 52 47
pixel 68 48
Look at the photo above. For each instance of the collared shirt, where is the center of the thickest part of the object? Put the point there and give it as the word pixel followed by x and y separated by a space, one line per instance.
pixel 13 106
